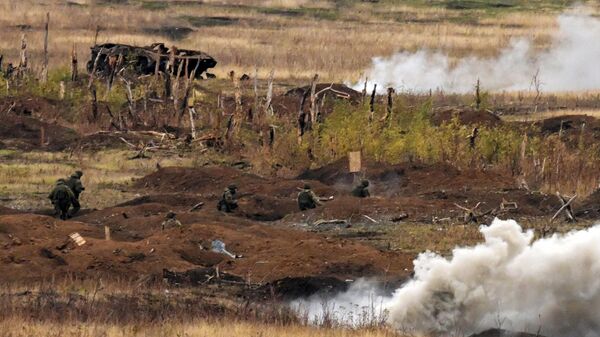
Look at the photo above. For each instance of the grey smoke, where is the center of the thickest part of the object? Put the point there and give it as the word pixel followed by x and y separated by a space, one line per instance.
pixel 569 64
pixel 508 281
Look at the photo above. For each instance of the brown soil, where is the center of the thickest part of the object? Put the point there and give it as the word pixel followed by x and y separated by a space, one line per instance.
pixel 25 133
pixel 30 250
pixel 466 116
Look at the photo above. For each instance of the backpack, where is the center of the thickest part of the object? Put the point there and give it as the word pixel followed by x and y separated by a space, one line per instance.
pixel 305 198
pixel 61 194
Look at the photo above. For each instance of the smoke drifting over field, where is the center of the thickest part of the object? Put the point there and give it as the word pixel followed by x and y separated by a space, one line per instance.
pixel 507 281
pixel 568 65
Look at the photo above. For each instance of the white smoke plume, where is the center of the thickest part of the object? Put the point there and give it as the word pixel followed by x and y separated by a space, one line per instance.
pixel 508 281
pixel 569 64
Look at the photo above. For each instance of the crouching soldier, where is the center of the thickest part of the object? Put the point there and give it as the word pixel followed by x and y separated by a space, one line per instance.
pixel 228 201
pixel 74 183
pixel 171 221
pixel 62 198
pixel 307 199
pixel 362 190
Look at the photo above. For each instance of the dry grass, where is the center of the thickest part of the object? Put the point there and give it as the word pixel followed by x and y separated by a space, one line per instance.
pixel 28 177
pixel 198 329
pixel 295 37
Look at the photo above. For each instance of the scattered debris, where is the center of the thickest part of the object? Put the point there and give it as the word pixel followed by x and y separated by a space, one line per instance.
pixel 196 207
pixel 566 207
pixel 399 217
pixel 218 246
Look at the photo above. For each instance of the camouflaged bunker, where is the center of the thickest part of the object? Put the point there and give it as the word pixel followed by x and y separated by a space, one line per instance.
pixel 108 58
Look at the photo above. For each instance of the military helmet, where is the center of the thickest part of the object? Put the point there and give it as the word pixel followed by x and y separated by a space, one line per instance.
pixel 306 186
pixel 232 187
pixel 79 173
pixel 365 183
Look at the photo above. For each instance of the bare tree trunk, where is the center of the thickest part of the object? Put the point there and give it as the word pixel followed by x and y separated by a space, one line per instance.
pixel 258 117
pixel 23 60
pixel 237 120
pixel 390 105
pixel 372 103
pixel 94 67
pixel 45 65
pixel 313 101
pixel 96 34
pixel 94 104
pixel 268 107
pixel 73 64
pixel 364 92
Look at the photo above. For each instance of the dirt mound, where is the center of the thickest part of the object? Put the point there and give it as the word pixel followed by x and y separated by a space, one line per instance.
pixel 337 90
pixel 259 198
pixel 7 211
pixel 466 116
pixel 31 251
pixel 28 133
pixel 569 124
pixel 407 178
pixel 590 207
pixel 504 333
pixel 424 189
pixel 32 106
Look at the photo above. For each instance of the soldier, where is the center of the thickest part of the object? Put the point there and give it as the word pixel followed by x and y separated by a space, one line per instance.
pixel 171 221
pixel 307 199
pixel 362 190
pixel 62 197
pixel 74 183
pixel 228 201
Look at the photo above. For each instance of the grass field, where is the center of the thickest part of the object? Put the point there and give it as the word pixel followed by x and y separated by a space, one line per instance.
pixel 296 38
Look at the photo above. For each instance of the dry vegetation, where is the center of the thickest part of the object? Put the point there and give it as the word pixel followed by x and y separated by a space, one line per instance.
pixel 296 38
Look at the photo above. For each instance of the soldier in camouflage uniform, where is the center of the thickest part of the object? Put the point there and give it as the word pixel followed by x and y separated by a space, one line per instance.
pixel 228 201
pixel 171 221
pixel 362 190
pixel 74 183
pixel 307 199
pixel 62 198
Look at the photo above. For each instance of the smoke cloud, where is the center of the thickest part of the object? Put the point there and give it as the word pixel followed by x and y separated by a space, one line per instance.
pixel 508 281
pixel 568 65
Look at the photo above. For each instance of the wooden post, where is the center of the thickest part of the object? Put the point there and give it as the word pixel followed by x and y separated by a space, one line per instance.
pixel 372 103
pixel 106 233
pixel 94 103
pixel 268 107
pixel 237 120
pixel 364 92
pixel 45 65
pixel 390 104
pixel 23 61
pixel 62 90
pixel 73 63
pixel 96 34
pixel 313 100
pixel 258 116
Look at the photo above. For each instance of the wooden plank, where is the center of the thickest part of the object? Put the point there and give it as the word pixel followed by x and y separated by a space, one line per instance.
pixel 354 161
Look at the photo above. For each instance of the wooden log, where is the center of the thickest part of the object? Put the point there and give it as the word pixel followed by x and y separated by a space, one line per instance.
pixel 566 206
